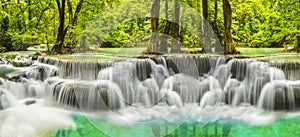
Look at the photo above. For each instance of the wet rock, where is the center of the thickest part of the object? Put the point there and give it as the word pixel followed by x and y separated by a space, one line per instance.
pixel 16 76
pixel 35 56
pixel 21 63
pixel 30 102
pixel 152 53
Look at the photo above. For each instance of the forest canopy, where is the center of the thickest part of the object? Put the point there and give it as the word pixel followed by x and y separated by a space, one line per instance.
pixel 255 23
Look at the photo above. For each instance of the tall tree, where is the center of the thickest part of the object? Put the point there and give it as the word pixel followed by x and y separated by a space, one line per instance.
pixel 153 47
pixel 216 28
pixel 206 30
pixel 227 13
pixel 164 38
pixel 175 31
pixel 58 47
pixel 62 29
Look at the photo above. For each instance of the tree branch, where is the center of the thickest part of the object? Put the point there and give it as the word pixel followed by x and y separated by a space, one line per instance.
pixel 70 12
pixel 40 17
pixel 78 9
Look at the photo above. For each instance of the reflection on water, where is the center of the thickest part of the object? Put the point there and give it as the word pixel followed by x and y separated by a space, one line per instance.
pixel 224 128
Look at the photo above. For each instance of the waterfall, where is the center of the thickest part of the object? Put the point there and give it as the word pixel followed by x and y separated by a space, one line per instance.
pixel 290 68
pixel 86 95
pixel 76 69
pixel 257 76
pixel 175 80
pixel 149 92
pixel 188 88
pixel 230 89
pixel 7 99
pixel 26 88
pixel 39 71
pixel 183 62
pixel 277 95
pixel 238 68
pixel 212 98
pixel 172 98
pixel 172 89
pixel 296 89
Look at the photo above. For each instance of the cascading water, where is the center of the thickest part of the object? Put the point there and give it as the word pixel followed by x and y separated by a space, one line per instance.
pixel 277 95
pixel 141 81
pixel 147 87
pixel 7 99
pixel 41 72
pixel 87 95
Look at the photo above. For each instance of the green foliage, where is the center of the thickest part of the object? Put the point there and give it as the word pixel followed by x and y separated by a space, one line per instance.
pixel 9 56
pixel 265 23
pixel 2 49
pixel 256 23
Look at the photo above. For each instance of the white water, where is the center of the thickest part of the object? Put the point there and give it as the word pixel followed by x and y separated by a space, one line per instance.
pixel 124 92
pixel 29 121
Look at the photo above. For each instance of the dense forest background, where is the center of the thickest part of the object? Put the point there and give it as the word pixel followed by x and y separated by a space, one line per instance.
pixel 61 23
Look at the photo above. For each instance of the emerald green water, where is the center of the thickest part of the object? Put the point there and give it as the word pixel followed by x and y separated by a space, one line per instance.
pixel 87 56
pixel 4 69
pixel 285 57
pixel 88 127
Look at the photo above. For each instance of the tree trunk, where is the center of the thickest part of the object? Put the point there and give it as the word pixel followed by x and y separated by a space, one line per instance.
pixel 227 13
pixel 73 18
pixel 164 38
pixel 215 27
pixel 58 47
pixel 153 47
pixel 175 45
pixel 207 40
pixel 298 44
pixel 62 30
pixel 70 11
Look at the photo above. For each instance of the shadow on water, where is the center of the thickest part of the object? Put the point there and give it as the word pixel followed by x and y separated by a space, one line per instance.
pixel 194 129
